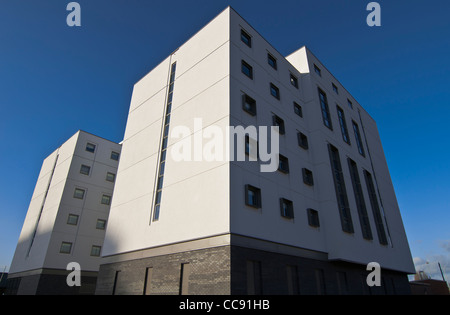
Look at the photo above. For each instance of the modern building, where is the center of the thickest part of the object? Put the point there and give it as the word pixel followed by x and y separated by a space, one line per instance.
pixel 66 219
pixel 208 223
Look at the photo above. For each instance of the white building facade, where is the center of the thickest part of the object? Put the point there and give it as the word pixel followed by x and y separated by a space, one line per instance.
pixel 67 218
pixel 203 225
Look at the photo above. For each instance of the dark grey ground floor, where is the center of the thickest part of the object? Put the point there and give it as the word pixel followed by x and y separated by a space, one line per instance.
pixel 240 270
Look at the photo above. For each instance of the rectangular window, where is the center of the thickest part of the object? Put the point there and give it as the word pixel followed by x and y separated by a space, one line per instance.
pixel 302 140
pixel 320 282
pixel 66 248
pixel 358 138
pixel 298 109
pixel 162 158
pixel 251 148
pixel 343 124
pixel 294 81
pixel 382 238
pixel 246 38
pixel 85 170
pixel 90 147
pixel 283 164
pixel 292 280
pixel 115 156
pixel 252 196
pixel 341 192
pixel 342 283
pixel 350 104
pixel 360 202
pixel 79 193
pixel 254 278
pixel 335 88
pixel 313 217
pixel 148 280
pixel 72 219
pixel 317 70
pixel 110 177
pixel 101 224
pixel 249 104
pixel 247 69
pixel 106 200
pixel 272 61
pixel 307 177
pixel 95 250
pixel 286 208
pixel 185 273
pixel 278 122
pixel 325 109
pixel 274 91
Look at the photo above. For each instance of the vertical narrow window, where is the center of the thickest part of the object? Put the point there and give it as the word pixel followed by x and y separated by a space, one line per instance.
pixel 320 281
pixel 184 278
pixel 343 124
pixel 165 136
pixel 254 278
pixel 375 209
pixel 283 164
pixel 249 104
pixel 358 138
pixel 342 283
pixel 317 70
pixel 294 81
pixel 349 103
pixel 292 280
pixel 247 69
pixel 308 178
pixel 313 217
pixel 302 140
pixel 252 196
pixel 246 38
pixel 335 88
pixel 272 61
pixel 286 208
pixel 278 122
pixel 298 109
pixel 148 280
pixel 341 192
pixel 274 91
pixel 325 109
pixel 360 202
pixel 116 281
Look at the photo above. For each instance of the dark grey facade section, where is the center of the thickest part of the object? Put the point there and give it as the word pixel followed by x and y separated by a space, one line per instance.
pixel 237 270
pixel 209 274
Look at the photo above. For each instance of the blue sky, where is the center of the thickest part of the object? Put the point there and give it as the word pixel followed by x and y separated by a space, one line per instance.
pixel 55 80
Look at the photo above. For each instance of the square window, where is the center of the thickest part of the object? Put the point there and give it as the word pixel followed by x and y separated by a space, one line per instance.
pixel 247 69
pixel 302 140
pixel 272 61
pixel 294 81
pixel 249 104
pixel 313 217
pixel 106 200
pixel 90 147
pixel 65 248
pixel 79 193
pixel 246 38
pixel 85 170
pixel 283 164
pixel 278 122
pixel 274 91
pixel 95 250
pixel 101 224
pixel 110 177
pixel 308 177
pixel 298 109
pixel 252 196
pixel 72 219
pixel 317 70
pixel 286 208
pixel 335 88
pixel 115 156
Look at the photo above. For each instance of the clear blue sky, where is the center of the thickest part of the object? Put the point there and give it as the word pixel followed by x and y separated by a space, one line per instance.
pixel 55 80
